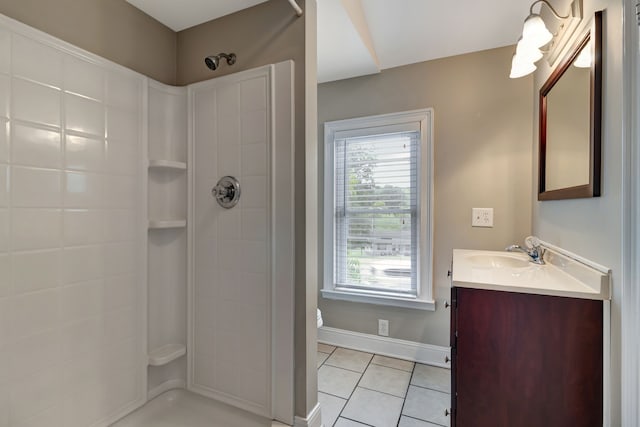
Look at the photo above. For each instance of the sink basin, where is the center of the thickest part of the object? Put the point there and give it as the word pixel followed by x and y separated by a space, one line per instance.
pixel 512 272
pixel 496 260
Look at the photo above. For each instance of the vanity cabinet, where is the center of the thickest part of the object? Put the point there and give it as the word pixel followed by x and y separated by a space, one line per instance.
pixel 525 360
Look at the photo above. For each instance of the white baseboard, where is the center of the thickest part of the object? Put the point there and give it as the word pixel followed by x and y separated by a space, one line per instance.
pixel 314 419
pixel 165 386
pixel 385 346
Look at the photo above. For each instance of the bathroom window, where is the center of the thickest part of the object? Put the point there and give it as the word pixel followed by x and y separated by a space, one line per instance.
pixel 378 204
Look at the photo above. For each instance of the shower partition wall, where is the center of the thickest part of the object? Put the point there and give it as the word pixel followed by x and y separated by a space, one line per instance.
pixel 241 273
pixel 83 339
pixel 72 234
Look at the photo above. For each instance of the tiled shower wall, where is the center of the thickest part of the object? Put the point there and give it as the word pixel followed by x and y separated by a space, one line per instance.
pixel 72 339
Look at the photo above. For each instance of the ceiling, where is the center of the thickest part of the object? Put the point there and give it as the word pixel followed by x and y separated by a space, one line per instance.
pixel 359 37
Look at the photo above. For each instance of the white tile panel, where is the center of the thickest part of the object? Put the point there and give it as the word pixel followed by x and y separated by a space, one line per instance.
pixel 5 97
pixel 121 158
pixel 4 185
pixel 83 405
pixel 119 225
pixel 34 187
pixel 232 277
pixel 205 114
pixel 122 125
pixel 117 325
pixel 4 230
pixel 5 338
pixel 4 404
pixel 35 103
pixel 82 263
pixel 83 153
pixel 71 338
pixel 34 353
pixel 253 94
pixel 228 159
pixel 121 191
pixel 119 258
pixel 35 270
pixel 83 78
pixel 254 127
pixel 254 224
pixel 82 338
pixel 81 301
pixel 33 313
pixel 123 91
pixel 254 159
pixel 84 115
pixel 33 394
pixel 35 61
pixel 5 277
pixel 119 292
pixel 36 229
pixel 83 227
pixel 254 192
pixel 32 146
pixel 5 51
pixel 84 190
pixel 4 141
pixel 51 417
pixel 228 224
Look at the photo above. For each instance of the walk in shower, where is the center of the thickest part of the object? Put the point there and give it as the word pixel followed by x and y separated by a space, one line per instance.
pixel 121 277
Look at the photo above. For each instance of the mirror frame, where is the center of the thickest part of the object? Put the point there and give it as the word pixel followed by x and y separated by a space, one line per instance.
pixel 592 189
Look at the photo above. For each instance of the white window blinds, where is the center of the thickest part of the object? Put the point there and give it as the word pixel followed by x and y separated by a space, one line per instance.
pixel 376 212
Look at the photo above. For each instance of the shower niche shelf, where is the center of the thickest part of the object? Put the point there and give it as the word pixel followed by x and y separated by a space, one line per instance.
pixel 167 165
pixel 167 242
pixel 160 224
pixel 166 354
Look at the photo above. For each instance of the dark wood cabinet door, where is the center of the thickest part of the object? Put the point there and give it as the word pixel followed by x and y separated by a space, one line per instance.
pixel 526 360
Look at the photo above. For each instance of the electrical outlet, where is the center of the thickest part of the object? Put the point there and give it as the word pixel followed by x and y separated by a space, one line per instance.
pixel 482 217
pixel 383 327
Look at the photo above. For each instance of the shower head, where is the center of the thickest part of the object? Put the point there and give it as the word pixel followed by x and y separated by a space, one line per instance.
pixel 214 61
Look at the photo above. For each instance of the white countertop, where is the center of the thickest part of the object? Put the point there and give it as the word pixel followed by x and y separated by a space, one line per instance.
pixel 512 272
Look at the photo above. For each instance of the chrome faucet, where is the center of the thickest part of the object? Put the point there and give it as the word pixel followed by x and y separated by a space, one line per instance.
pixel 535 252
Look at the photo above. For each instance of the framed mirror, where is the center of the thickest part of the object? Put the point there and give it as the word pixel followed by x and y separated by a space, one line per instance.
pixel 570 122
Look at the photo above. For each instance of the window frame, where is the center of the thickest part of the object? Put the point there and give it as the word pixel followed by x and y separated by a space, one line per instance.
pixel 371 125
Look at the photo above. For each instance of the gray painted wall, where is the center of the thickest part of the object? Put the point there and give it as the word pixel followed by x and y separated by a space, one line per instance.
pixel 113 29
pixel 592 228
pixel 482 148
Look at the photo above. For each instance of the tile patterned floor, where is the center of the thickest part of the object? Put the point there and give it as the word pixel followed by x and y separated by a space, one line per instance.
pixel 357 389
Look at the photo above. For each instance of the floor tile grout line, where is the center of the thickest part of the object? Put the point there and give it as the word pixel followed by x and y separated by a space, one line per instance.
pixel 354 389
pixel 429 388
pixel 391 367
pixel 333 395
pixel 424 421
pixel 382 392
pixel 406 394
pixel 355 421
pixel 346 369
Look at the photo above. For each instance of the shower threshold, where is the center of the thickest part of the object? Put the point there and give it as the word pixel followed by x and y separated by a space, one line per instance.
pixel 181 408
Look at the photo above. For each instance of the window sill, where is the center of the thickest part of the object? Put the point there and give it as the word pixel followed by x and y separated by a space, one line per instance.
pixel 392 301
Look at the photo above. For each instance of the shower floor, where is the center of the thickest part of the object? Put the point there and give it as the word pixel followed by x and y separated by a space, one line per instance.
pixel 181 408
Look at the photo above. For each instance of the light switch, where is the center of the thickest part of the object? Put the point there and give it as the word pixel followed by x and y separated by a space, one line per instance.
pixel 482 217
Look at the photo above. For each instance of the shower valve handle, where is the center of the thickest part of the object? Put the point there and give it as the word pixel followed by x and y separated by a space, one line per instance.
pixel 226 192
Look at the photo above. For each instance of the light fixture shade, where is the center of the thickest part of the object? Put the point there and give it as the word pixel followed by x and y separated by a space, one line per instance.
pixel 521 67
pixel 528 51
pixel 535 31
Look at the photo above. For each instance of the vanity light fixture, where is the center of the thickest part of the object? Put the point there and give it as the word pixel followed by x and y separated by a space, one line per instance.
pixel 535 34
